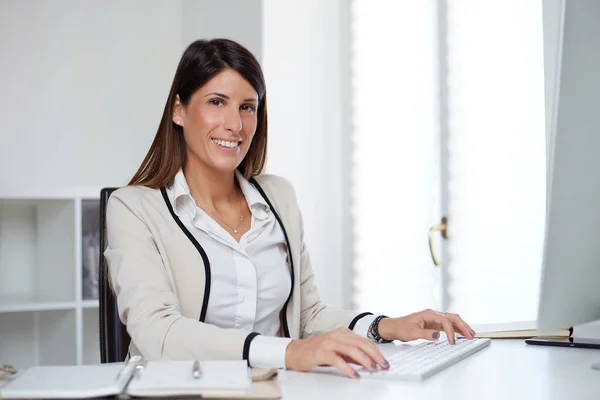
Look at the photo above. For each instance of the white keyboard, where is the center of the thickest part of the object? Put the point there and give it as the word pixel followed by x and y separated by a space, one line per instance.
pixel 418 362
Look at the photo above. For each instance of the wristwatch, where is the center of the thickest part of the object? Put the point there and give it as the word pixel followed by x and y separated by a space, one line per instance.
pixel 373 331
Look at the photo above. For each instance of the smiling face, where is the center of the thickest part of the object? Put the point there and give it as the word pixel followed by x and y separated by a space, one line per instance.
pixel 219 121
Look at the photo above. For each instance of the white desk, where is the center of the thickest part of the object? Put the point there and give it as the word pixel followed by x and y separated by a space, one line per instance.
pixel 507 369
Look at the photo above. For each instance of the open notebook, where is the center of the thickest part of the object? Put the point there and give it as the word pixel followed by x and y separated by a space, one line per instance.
pixel 136 378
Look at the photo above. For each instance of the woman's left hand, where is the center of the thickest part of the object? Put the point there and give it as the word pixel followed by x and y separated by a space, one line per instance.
pixel 425 324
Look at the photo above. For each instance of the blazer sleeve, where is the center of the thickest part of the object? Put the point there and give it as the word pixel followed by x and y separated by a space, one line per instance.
pixel 315 316
pixel 147 303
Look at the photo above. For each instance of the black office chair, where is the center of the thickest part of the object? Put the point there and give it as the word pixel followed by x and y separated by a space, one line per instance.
pixel 114 339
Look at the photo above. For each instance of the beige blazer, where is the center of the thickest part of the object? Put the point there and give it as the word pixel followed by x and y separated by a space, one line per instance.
pixel 161 277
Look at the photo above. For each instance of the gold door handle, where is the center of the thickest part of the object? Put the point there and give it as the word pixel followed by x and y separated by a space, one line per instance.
pixel 443 228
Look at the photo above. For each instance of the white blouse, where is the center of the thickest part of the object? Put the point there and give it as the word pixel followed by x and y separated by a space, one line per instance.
pixel 250 280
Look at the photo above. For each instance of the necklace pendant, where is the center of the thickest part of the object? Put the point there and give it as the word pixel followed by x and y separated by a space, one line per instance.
pixel 235 231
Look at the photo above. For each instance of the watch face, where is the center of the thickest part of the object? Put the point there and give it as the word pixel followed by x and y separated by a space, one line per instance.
pixel 370 336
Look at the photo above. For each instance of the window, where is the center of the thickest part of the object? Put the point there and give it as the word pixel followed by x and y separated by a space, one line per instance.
pixel 448 121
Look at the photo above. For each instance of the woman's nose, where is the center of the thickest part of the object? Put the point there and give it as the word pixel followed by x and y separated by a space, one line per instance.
pixel 233 121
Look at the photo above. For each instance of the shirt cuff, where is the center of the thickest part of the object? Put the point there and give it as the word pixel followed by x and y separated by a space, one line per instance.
pixel 362 325
pixel 268 352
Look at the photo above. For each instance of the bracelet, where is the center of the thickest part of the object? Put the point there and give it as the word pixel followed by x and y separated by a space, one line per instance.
pixel 373 332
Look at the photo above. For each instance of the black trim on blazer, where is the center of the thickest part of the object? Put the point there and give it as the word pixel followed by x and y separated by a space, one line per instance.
pixel 200 250
pixel 246 351
pixel 355 320
pixel 286 330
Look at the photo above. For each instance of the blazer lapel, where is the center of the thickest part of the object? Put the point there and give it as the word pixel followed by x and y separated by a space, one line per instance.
pixel 196 289
pixel 286 210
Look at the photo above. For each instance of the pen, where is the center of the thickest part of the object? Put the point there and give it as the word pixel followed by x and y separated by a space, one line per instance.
pixel 196 370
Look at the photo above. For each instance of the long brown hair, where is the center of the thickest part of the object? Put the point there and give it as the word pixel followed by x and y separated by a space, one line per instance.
pixel 202 60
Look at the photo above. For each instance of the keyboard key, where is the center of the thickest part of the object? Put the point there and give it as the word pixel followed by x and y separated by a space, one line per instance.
pixel 420 361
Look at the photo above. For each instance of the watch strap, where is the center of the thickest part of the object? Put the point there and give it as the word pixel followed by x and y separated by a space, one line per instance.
pixel 373 332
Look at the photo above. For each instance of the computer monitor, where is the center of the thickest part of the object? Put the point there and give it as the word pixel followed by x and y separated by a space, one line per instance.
pixel 570 289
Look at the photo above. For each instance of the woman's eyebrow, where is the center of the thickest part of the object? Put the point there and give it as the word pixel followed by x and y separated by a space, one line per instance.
pixel 218 94
pixel 227 97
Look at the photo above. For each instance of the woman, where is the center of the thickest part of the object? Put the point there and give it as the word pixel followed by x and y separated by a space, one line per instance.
pixel 207 255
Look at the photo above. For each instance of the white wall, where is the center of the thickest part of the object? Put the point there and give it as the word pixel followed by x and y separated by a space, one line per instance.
pixel 84 83
pixel 305 68
pixel 232 19
pixel 83 88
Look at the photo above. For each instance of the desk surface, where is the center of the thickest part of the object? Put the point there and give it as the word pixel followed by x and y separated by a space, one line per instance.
pixel 507 369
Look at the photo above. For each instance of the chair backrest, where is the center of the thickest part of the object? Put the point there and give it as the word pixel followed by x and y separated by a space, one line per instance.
pixel 114 339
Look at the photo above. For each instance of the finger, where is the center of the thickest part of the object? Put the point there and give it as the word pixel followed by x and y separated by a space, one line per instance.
pixel 428 334
pixel 437 320
pixel 351 338
pixel 448 328
pixel 353 352
pixel 338 362
pixel 370 349
pixel 461 326
pixel 432 320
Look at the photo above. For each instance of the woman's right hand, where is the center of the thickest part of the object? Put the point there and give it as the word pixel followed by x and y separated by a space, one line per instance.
pixel 336 348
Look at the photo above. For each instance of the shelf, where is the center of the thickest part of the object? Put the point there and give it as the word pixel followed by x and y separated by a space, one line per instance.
pixel 38 338
pixel 90 303
pixel 51 193
pixel 90 248
pixel 48 277
pixel 56 333
pixel 19 344
pixel 37 251
pixel 7 307
pixel 91 336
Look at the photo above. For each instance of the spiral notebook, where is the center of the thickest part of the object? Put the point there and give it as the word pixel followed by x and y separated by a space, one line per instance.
pixel 136 378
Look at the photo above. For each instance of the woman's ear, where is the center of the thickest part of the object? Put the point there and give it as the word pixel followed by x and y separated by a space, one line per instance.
pixel 178 112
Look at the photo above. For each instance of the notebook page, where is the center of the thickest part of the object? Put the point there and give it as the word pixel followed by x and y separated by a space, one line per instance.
pixel 64 382
pixel 160 378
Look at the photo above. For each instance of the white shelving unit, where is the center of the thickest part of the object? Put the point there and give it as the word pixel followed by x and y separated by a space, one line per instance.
pixel 44 319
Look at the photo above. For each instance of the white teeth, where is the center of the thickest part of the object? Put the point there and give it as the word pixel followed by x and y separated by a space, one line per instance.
pixel 225 143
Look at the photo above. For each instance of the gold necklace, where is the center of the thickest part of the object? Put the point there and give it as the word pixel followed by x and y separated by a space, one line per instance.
pixel 235 230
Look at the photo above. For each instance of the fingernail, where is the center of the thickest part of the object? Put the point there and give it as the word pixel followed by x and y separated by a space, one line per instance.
pixel 356 375
pixel 473 332
pixel 385 363
pixel 435 335
pixel 373 366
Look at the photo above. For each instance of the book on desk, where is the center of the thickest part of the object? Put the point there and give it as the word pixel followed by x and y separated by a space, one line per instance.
pixel 517 330
pixel 139 378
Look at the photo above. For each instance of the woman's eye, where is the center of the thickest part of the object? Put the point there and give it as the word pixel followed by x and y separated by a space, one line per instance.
pixel 249 108
pixel 216 102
